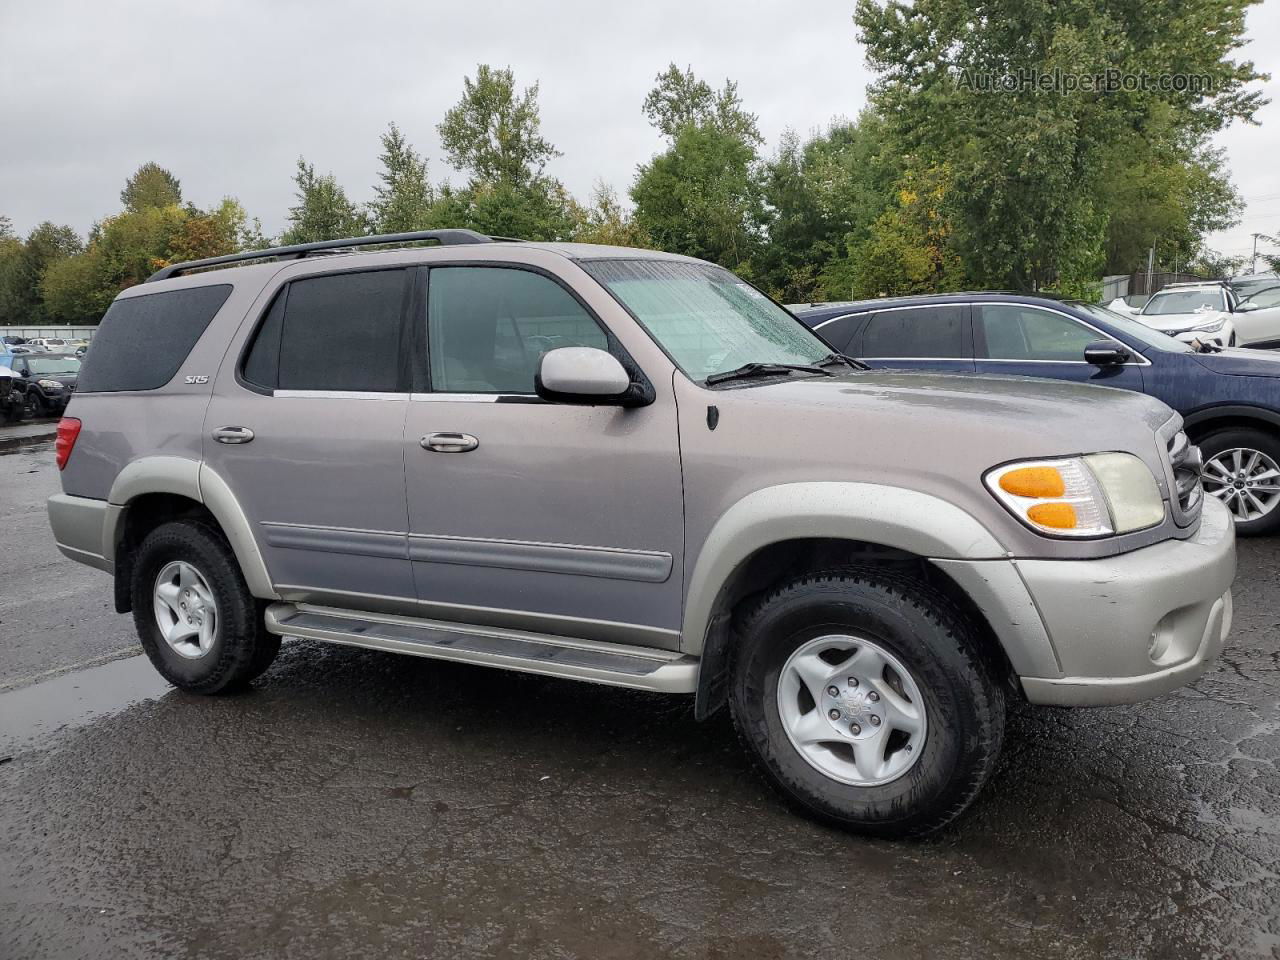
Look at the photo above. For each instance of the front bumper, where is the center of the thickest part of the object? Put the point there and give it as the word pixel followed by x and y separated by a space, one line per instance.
pixel 1137 625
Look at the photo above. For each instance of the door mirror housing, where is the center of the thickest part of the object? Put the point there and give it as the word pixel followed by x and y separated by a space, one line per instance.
pixel 1246 307
pixel 586 375
pixel 1106 353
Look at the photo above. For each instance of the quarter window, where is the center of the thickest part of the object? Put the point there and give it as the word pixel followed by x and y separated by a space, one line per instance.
pixel 337 332
pixel 1010 331
pixel 921 332
pixel 487 328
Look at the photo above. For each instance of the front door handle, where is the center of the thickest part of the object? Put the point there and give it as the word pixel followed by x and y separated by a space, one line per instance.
pixel 449 442
pixel 233 434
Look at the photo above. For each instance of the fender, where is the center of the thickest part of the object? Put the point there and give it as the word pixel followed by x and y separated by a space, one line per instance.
pixel 195 481
pixel 889 516
pixel 1241 411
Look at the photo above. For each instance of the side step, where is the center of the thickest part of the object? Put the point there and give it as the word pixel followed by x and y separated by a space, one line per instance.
pixel 609 663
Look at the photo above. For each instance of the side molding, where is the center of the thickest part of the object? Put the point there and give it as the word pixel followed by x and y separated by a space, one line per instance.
pixel 889 516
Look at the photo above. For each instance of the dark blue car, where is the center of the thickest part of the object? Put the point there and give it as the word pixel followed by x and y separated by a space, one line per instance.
pixel 1229 398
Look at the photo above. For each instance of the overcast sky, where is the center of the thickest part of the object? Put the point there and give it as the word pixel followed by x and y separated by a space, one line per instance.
pixel 227 94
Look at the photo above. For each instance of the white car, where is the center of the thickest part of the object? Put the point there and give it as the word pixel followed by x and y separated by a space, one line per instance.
pixel 1191 312
pixel 1257 309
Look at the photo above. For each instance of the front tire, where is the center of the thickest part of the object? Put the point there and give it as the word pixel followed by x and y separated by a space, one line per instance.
pixel 863 697
pixel 1242 469
pixel 198 623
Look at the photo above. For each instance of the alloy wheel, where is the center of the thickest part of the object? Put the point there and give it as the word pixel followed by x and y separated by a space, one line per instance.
pixel 185 609
pixel 1247 481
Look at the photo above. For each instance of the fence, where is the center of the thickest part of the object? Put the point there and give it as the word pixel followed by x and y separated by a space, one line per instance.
pixel 65 333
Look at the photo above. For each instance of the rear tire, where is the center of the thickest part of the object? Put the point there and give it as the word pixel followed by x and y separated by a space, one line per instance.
pixel 895 620
pixel 186 575
pixel 1219 452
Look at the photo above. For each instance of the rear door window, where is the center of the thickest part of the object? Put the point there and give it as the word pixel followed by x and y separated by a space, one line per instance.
pixel 930 332
pixel 339 332
pixel 143 340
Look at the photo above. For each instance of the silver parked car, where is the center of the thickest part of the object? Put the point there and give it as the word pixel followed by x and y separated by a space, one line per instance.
pixel 633 468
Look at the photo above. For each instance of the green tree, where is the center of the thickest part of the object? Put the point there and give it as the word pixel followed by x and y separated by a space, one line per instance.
pixel 150 186
pixel 323 211
pixel 604 221
pixel 404 198
pixel 679 99
pixel 1027 168
pixel 493 133
pixel 700 197
pixel 23 266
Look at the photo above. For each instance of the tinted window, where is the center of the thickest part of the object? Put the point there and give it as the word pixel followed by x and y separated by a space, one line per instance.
pixel 925 332
pixel 1010 331
pixel 487 327
pixel 338 332
pixel 142 341
pixel 839 331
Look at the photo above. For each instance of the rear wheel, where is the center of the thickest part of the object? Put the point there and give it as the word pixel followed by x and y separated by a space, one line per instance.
pixel 32 407
pixel 1242 469
pixel 198 622
pixel 864 698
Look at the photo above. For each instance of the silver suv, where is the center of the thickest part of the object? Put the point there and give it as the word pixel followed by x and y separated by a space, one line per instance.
pixel 633 468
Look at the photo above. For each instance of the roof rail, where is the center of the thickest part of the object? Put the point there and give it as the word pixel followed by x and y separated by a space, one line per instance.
pixel 299 250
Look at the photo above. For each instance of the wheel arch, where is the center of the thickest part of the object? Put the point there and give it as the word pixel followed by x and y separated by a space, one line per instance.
pixel 154 490
pixel 783 531
pixel 1203 422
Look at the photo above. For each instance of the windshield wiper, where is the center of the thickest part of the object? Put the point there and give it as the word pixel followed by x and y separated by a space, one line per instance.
pixel 757 369
pixel 834 358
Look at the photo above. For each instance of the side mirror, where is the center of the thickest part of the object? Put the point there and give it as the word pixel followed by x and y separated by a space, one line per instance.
pixel 26 371
pixel 1246 307
pixel 585 375
pixel 1106 353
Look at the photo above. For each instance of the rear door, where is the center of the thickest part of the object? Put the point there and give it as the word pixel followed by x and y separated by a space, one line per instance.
pixel 306 427
pixel 1015 339
pixel 925 337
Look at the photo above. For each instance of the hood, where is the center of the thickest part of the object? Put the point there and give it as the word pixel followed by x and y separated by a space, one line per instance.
pixel 1008 403
pixel 1242 363
pixel 1178 322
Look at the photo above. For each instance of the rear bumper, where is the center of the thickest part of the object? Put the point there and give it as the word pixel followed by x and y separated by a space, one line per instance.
pixel 1138 625
pixel 79 527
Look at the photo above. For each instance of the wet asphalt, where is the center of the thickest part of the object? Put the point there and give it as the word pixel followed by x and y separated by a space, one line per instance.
pixel 357 804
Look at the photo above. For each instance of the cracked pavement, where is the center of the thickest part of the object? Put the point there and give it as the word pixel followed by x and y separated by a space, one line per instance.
pixel 362 804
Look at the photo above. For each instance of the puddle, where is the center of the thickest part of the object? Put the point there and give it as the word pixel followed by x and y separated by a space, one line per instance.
pixel 35 713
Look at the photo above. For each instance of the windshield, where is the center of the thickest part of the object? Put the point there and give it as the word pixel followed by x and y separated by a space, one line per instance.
pixel 1133 328
pixel 1183 301
pixel 48 365
pixel 706 319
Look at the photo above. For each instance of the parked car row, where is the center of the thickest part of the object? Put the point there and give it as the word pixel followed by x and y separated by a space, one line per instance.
pixel 632 468
pixel 1243 312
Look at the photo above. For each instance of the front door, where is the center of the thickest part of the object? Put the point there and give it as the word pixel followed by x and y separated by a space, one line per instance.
pixel 1015 339
pixel 307 429
pixel 552 518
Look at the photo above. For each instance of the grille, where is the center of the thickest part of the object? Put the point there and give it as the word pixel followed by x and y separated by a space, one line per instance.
pixel 1184 458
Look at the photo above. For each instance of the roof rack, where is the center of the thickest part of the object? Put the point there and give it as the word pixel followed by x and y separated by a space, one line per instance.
pixel 299 250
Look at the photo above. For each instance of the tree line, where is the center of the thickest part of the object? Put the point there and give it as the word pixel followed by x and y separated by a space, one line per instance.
pixel 932 187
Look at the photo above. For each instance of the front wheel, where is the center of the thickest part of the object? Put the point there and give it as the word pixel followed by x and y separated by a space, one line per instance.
pixel 198 623
pixel 1242 469
pixel 863 697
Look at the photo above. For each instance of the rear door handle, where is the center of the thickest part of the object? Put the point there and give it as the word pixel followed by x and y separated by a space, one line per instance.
pixel 449 442
pixel 233 434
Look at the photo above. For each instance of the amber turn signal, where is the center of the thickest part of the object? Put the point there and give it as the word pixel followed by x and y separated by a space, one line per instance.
pixel 1057 516
pixel 1040 483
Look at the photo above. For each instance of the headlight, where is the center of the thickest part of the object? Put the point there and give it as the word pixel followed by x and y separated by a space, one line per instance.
pixel 1210 326
pixel 1093 496
pixel 53 385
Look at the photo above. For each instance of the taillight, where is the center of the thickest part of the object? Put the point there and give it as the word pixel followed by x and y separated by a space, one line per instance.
pixel 68 430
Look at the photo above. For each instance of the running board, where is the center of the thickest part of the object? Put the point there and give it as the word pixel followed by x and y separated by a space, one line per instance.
pixel 590 660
